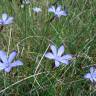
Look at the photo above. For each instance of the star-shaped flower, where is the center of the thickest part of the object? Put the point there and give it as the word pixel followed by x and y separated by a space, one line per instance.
pixel 57 55
pixel 58 12
pixel 6 19
pixel 6 63
pixel 37 10
pixel 92 75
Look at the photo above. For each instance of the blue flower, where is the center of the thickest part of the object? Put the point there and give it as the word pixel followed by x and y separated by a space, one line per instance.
pixel 58 12
pixel 57 55
pixel 92 75
pixel 6 19
pixel 6 63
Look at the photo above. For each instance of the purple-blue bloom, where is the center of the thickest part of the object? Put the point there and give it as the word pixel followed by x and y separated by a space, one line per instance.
pixel 92 75
pixel 57 55
pixel 7 63
pixel 58 12
pixel 5 20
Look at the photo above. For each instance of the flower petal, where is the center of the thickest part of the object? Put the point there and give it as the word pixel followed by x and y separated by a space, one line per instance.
pixel 92 69
pixel 51 9
pixel 60 50
pixel 8 69
pixel 67 57
pixel 64 61
pixel 87 76
pixel 4 17
pixel 63 13
pixel 54 50
pixel 94 76
pixel 1 21
pixel 9 20
pixel 57 63
pixel 49 55
pixel 12 56
pixel 16 63
pixel 58 8
pixel 3 56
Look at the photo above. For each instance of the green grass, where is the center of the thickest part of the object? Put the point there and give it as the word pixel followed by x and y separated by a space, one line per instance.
pixel 30 35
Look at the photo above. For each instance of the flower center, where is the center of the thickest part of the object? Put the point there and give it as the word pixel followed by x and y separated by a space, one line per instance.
pixel 7 64
pixel 58 58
